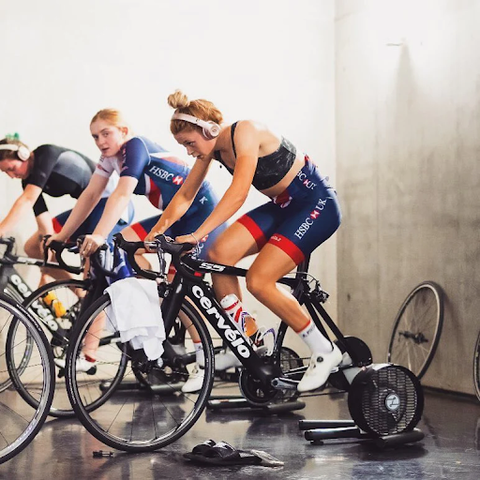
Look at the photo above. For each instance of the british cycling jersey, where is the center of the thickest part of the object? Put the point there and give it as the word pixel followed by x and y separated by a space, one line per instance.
pixel 160 174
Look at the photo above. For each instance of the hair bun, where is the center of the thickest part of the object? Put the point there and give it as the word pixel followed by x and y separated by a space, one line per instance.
pixel 178 100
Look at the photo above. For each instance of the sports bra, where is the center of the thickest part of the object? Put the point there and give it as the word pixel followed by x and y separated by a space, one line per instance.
pixel 271 168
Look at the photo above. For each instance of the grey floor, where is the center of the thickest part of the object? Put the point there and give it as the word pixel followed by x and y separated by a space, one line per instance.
pixel 450 449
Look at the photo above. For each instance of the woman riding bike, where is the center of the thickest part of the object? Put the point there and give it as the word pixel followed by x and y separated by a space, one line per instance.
pixel 145 168
pixel 302 213
pixel 54 171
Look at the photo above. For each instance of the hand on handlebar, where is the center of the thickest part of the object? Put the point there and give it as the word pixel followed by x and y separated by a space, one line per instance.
pixel 48 239
pixel 150 240
pixel 151 236
pixel 91 244
pixel 191 238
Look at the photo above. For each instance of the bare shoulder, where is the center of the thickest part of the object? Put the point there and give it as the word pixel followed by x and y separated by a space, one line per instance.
pixel 248 126
pixel 267 140
pixel 259 129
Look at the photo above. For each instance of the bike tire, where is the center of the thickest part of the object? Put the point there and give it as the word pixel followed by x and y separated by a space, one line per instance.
pixel 417 328
pixel 476 367
pixel 13 294
pixel 58 338
pixel 135 412
pixel 20 423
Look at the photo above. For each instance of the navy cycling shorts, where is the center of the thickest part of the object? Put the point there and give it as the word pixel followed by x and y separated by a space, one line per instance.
pixel 88 226
pixel 299 219
pixel 187 224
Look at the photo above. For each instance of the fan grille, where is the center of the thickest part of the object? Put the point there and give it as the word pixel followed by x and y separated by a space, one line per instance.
pixel 388 401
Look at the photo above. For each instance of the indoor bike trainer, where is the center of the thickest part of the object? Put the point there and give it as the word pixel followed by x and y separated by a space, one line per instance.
pixel 385 400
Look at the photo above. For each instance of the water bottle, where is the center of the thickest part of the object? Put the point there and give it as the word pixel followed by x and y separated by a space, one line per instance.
pixel 51 300
pixel 244 321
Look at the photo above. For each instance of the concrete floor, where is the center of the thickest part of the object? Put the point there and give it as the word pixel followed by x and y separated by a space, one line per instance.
pixel 450 449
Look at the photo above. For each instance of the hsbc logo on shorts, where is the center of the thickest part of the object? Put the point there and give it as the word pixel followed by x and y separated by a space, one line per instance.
pixel 308 222
pixel 304 179
pixel 166 175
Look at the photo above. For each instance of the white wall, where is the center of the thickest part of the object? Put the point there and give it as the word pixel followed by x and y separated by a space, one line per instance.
pixel 271 60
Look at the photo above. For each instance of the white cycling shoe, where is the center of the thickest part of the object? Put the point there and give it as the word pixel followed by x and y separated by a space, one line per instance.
pixel 225 360
pixel 195 380
pixel 321 365
pixel 82 365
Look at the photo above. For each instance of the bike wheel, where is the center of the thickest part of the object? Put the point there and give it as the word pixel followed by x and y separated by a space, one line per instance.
pixel 19 421
pixel 12 293
pixel 57 324
pixel 417 329
pixel 140 416
pixel 476 367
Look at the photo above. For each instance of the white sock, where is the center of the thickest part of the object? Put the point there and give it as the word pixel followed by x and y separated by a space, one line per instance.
pixel 199 355
pixel 316 342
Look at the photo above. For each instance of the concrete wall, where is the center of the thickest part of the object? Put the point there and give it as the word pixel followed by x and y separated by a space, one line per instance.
pixel 407 143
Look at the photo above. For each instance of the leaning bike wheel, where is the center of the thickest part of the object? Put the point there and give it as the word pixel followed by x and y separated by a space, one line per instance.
pixel 417 329
pixel 139 416
pixel 476 367
pixel 56 307
pixel 19 421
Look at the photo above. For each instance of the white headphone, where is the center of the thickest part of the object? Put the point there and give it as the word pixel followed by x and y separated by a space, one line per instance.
pixel 210 129
pixel 23 153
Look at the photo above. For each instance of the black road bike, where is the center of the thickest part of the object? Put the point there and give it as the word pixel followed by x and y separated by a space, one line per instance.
pixel 383 399
pixel 56 307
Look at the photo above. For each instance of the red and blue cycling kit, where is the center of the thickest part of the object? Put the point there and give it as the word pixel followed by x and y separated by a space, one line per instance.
pixel 303 216
pixel 160 174
pixel 299 219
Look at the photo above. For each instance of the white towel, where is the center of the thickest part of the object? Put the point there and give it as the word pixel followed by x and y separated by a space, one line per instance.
pixel 135 313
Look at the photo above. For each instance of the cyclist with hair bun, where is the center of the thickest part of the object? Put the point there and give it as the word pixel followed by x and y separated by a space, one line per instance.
pixel 302 213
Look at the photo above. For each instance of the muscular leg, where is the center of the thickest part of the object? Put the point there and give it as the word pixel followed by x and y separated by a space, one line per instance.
pixel 235 243
pixel 271 264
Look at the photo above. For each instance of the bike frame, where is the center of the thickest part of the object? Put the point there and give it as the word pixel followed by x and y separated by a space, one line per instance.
pixel 201 294
pixel 9 276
